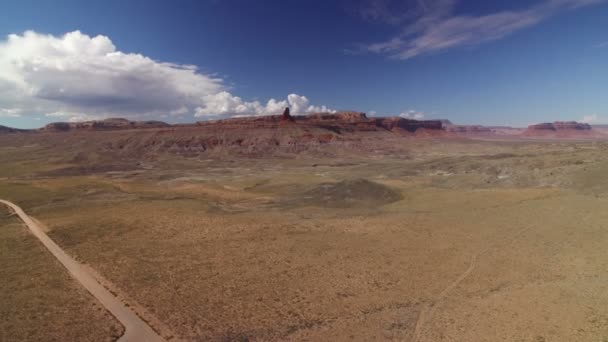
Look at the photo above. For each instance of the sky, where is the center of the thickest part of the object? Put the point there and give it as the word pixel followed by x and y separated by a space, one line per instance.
pixel 472 62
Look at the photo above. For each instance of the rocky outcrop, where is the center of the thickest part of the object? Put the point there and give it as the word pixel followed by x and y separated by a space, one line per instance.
pixel 336 122
pixel 246 135
pixel 336 117
pixel 101 125
pixel 286 116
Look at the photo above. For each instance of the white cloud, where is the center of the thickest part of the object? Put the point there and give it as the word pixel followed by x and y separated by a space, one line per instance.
pixel 74 116
pixel 301 105
pixel 593 118
pixel 224 102
pixel 435 27
pixel 412 114
pixel 179 111
pixel 10 112
pixel 79 76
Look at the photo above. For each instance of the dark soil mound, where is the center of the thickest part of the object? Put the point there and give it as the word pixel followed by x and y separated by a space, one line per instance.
pixel 349 193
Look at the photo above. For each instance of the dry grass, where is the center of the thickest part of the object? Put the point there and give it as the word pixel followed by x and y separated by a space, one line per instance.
pixel 319 274
pixel 217 250
pixel 39 301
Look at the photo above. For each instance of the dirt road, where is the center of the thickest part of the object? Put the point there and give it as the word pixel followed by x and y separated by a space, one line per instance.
pixel 135 328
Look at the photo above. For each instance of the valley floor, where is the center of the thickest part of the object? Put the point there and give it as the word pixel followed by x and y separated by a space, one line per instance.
pixel 440 241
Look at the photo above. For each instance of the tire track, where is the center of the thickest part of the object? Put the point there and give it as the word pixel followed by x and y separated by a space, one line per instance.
pixel 136 329
pixel 428 310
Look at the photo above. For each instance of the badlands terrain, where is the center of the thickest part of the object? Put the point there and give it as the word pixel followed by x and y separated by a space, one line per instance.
pixel 331 227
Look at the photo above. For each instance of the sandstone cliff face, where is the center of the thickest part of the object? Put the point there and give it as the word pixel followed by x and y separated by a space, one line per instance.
pixel 287 115
pixel 243 135
pixel 341 116
pixel 335 122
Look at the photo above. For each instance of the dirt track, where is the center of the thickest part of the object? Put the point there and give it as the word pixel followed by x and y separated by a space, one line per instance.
pixel 135 328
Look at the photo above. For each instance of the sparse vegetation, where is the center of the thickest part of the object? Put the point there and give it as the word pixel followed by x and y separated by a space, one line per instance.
pixel 38 299
pixel 217 249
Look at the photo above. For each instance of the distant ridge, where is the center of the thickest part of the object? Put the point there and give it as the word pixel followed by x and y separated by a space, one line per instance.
pixel 562 129
pixel 349 121
pixel 560 125
pixel 5 129
pixel 328 127
pixel 251 135
pixel 100 125
pixel 341 121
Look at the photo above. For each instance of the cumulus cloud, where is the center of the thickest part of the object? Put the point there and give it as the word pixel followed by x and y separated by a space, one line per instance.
pixel 224 102
pixel 10 112
pixel 76 76
pixel 430 26
pixel 593 118
pixel 412 114
pixel 179 111
pixel 300 104
pixel 72 116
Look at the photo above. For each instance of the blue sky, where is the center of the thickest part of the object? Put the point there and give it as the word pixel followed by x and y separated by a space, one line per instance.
pixel 482 62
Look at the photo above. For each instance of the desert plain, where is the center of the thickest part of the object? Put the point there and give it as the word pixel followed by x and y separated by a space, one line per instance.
pixel 395 237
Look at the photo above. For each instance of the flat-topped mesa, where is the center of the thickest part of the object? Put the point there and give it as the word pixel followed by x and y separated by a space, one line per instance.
pixel 560 125
pixel 271 121
pixel 358 121
pixel 100 125
pixel 339 116
pixel 562 129
pixel 337 122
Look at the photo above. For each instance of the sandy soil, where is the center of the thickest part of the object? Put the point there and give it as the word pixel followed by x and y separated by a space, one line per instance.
pixel 39 301
pixel 440 241
pixel 135 328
